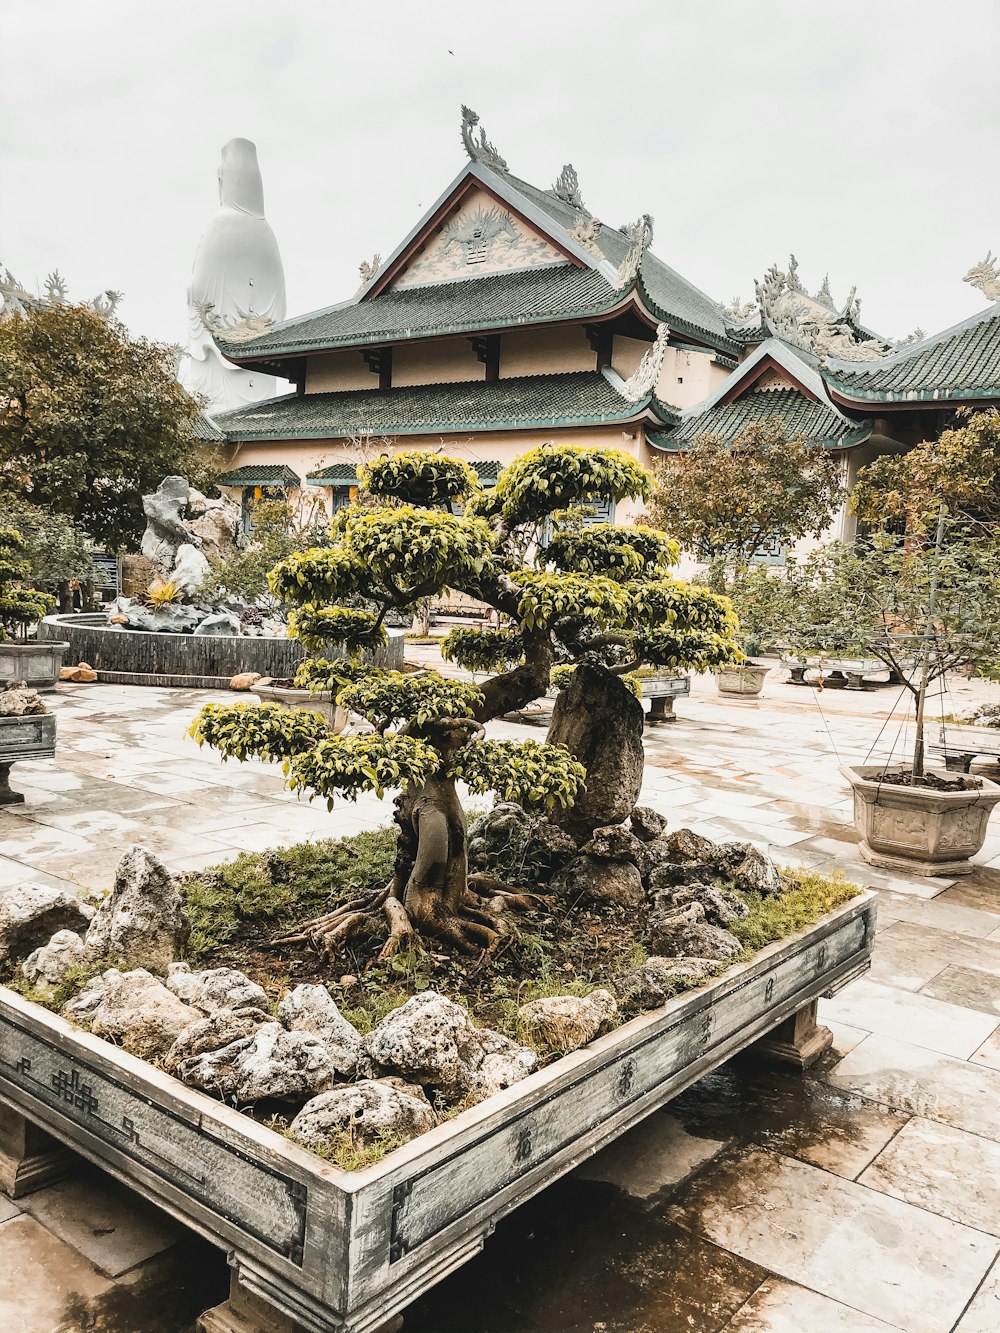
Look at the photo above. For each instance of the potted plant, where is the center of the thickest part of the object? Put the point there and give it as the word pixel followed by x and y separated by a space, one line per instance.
pixel 924 608
pixel 730 500
pixel 27 731
pixel 36 663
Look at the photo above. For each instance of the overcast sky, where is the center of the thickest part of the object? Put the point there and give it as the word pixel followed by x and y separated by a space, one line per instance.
pixel 862 134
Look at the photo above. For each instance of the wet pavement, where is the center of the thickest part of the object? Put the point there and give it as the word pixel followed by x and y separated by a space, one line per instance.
pixel 862 1197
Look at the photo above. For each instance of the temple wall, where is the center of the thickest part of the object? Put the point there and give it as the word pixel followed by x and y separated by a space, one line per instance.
pixel 448 361
pixel 688 377
pixel 545 351
pixel 338 370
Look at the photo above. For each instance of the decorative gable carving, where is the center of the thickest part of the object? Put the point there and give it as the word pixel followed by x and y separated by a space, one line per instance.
pixel 481 237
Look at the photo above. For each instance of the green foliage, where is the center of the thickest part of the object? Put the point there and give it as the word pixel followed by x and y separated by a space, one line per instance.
pixel 761 599
pixel 91 419
pixel 731 497
pixel 417 697
pixel 318 626
pixel 698 650
pixel 19 607
pixel 257 731
pixel 320 673
pixel 278 531
pixel 418 548
pixel 807 895
pixel 548 597
pixel 483 649
pixel 349 765
pixel 351 1154
pixel 960 469
pixel 555 476
pixel 560 676
pixel 620 553
pixel 278 888
pixel 530 772
pixel 420 478
pixel 330 574
pixel 55 548
pixel 163 592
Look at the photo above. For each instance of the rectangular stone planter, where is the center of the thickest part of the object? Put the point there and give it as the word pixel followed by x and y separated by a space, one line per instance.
pixel 30 737
pixel 329 1251
pixel 663 690
pixel 959 745
pixel 37 664
pixel 918 829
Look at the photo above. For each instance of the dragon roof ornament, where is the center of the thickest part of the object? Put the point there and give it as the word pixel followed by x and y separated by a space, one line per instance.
pixel 812 323
pixel 640 237
pixel 986 276
pixel 646 376
pixel 15 299
pixel 567 187
pixel 479 150
pixel 368 270
pixel 238 328
pixel 737 312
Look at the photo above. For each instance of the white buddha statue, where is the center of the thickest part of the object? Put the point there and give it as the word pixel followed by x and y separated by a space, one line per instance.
pixel 237 285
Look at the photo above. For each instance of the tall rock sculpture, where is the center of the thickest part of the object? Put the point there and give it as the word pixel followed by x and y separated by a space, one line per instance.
pixel 237 285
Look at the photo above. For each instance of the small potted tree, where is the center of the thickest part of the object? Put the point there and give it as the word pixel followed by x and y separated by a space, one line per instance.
pixel 729 500
pixel 924 608
pixel 35 663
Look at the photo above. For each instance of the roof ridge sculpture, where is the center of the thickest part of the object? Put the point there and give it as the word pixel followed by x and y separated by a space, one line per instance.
pixel 986 276
pixel 15 299
pixel 644 379
pixel 567 187
pixel 480 150
pixel 789 313
pixel 640 237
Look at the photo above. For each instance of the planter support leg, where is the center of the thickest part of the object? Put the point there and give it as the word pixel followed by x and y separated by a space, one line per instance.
pixel 799 1041
pixel 7 794
pixel 29 1158
pixel 246 1312
pixel 661 709
pixel 798 675
pixel 958 763
pixel 855 680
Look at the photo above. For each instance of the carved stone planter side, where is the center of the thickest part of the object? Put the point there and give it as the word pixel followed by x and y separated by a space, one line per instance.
pixel 342 1252
pixel 316 701
pixel 917 829
pixel 30 737
pixel 37 664
pixel 744 681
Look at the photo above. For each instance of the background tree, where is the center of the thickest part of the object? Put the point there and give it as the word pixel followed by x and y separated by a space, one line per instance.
pixel 54 547
pixel 725 499
pixel 277 530
pixel 600 598
pixel 960 469
pixel 90 418
pixel 874 598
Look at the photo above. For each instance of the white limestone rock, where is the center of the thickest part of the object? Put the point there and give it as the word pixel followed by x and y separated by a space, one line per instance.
pixel 432 1041
pixel 30 914
pixel 371 1110
pixel 271 1064
pixel 659 979
pixel 190 569
pixel 53 962
pixel 140 924
pixel 565 1022
pixel 678 932
pixel 224 988
pixel 212 1032
pixel 182 981
pixel 313 1009
pixel 82 1005
pixel 137 1010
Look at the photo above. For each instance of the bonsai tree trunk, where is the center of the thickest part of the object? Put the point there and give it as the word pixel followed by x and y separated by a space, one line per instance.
pixel 431 894
pixel 600 722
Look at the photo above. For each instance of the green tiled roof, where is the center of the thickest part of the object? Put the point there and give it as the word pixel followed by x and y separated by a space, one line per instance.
pixel 818 422
pixel 261 474
pixel 582 397
pixel 346 474
pixel 500 300
pixel 961 363
pixel 206 429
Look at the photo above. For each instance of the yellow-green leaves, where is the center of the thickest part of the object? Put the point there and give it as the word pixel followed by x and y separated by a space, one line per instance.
pixel 546 598
pixel 419 698
pixel 605 548
pixel 317 626
pixel 322 574
pixel 257 731
pixel 483 650
pixel 353 764
pixel 530 772
pixel 420 478
pixel 555 476
pixel 408 547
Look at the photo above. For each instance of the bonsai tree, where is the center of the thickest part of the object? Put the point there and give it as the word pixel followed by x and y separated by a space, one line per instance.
pixel 960 469
pixel 19 606
pixel 924 608
pixel 601 598
pixel 726 499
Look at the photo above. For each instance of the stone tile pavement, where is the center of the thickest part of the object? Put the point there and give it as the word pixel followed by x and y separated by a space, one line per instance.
pixel 864 1197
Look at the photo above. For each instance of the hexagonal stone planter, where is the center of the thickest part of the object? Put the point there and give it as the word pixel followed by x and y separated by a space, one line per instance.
pixel 323 1250
pixel 917 829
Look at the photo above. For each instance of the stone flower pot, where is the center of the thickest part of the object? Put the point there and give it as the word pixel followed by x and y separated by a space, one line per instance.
pixel 317 702
pixel 743 681
pixel 30 737
pixel 38 664
pixel 917 829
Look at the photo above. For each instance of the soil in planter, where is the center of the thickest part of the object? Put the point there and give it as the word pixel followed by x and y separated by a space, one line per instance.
pixel 930 781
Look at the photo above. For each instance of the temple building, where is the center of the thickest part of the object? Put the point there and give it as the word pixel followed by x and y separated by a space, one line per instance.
pixel 511 315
